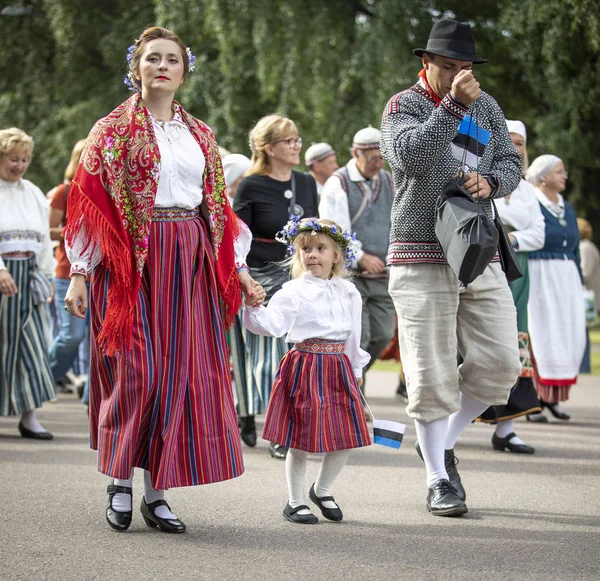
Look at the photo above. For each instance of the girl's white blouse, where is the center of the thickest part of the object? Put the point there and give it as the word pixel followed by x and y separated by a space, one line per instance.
pixel 312 308
pixel 24 225
pixel 180 181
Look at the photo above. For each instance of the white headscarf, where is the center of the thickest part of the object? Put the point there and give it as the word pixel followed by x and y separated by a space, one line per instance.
pixel 540 167
pixel 518 127
pixel 235 165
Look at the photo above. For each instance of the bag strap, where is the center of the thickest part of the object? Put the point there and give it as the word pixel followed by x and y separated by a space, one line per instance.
pixel 340 174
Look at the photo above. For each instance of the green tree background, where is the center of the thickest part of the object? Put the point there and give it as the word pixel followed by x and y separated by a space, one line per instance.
pixel 331 65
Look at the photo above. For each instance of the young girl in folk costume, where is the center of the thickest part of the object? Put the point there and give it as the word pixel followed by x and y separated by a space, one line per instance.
pixel 315 404
pixel 148 217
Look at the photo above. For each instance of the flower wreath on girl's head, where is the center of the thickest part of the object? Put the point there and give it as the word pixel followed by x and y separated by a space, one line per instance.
pixel 295 226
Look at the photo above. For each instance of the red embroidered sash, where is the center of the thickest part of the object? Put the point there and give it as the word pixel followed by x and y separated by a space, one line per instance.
pixel 112 196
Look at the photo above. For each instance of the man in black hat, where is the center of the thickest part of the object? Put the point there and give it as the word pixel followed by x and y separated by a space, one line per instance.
pixel 429 131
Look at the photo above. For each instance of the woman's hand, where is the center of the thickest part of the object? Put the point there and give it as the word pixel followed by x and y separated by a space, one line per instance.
pixel 255 293
pixel 76 302
pixel 7 285
pixel 359 381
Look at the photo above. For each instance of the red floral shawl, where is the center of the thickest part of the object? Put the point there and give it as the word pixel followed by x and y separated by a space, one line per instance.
pixel 112 196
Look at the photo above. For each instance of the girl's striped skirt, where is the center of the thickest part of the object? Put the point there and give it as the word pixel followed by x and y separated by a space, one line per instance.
pixel 167 405
pixel 315 404
pixel 25 376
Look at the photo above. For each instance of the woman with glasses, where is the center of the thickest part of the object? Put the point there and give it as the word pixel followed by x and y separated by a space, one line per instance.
pixel 556 308
pixel 264 200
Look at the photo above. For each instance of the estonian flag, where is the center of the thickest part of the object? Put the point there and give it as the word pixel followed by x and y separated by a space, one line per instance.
pixel 388 433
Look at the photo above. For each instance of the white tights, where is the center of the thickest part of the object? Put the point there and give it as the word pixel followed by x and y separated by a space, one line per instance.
pixel 122 502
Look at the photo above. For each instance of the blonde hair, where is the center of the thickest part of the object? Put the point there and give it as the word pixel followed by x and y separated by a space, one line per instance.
pixel 15 139
pixel 153 33
pixel 295 264
pixel 585 229
pixel 267 131
pixel 74 161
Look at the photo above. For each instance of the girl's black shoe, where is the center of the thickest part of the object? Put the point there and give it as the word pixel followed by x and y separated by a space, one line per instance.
pixel 120 521
pixel 166 525
pixel 557 414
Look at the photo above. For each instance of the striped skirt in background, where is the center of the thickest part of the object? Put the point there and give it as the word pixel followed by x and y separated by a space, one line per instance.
pixel 25 377
pixel 315 404
pixel 167 405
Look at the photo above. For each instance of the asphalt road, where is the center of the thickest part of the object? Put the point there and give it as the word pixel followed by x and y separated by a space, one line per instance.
pixel 530 518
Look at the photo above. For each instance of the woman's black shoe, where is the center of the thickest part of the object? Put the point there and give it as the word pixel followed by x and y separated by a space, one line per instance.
pixel 501 444
pixel 551 408
pixel 166 525
pixel 248 430
pixel 120 521
pixel 27 433
pixel 334 514
pixel 538 418
pixel 304 519
pixel 277 451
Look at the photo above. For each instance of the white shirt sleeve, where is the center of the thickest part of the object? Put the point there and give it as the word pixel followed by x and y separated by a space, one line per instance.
pixel 333 205
pixel 84 255
pixel 358 357
pixel 534 236
pixel 241 245
pixel 277 318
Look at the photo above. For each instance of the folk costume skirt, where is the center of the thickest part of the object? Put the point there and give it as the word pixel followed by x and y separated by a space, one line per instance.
pixel 167 405
pixel 315 404
pixel 25 377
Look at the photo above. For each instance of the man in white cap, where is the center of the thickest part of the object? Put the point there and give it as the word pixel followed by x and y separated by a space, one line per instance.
pixel 359 198
pixel 427 130
pixel 321 161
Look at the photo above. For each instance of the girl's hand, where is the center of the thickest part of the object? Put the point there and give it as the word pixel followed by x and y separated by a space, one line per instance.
pixel 359 381
pixel 7 285
pixel 76 302
pixel 254 293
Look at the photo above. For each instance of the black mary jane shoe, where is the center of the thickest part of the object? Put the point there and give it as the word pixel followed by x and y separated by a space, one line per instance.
pixel 442 500
pixel 558 415
pixel 248 430
pixel 450 462
pixel 501 444
pixel 120 521
pixel 304 519
pixel 538 418
pixel 27 433
pixel 166 525
pixel 278 451
pixel 334 514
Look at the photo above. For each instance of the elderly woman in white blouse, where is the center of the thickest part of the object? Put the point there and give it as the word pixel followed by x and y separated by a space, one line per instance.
pixel 25 267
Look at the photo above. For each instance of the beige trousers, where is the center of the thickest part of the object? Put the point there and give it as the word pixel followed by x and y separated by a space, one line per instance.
pixel 437 320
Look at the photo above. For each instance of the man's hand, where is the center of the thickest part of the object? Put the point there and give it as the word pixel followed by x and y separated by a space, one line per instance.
pixel 477 185
pixel 465 88
pixel 371 264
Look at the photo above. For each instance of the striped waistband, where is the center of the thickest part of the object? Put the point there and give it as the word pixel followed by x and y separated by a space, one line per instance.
pixel 174 214
pixel 321 346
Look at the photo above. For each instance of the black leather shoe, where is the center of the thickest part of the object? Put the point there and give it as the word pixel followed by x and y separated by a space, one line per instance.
pixel 27 433
pixel 442 500
pixel 334 514
pixel 120 521
pixel 501 444
pixel 166 525
pixel 304 519
pixel 538 418
pixel 450 462
pixel 557 414
pixel 248 431
pixel 277 451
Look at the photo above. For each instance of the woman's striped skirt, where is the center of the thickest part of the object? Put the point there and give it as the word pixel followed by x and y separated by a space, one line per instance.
pixel 315 404
pixel 167 405
pixel 25 377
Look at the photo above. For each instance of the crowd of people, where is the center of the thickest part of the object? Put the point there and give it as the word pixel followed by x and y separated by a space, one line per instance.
pixel 202 288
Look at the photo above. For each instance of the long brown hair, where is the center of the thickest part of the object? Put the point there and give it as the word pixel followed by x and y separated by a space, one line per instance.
pixel 74 161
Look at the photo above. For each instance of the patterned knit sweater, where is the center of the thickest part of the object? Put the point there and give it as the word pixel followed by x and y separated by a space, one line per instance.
pixel 424 143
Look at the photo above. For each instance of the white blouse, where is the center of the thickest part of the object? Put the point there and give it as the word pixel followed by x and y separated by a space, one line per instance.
pixel 24 225
pixel 522 211
pixel 312 308
pixel 180 185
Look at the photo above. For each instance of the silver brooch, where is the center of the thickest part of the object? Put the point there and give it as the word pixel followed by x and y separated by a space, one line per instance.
pixel 288 194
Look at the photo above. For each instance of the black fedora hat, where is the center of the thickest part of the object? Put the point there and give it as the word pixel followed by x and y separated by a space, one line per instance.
pixel 453 40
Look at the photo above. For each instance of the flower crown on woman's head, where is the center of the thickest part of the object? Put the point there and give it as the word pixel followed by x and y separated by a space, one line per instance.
pixel 129 78
pixel 296 226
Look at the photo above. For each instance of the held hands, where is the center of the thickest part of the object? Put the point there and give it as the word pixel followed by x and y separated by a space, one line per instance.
pixel 254 293
pixel 8 288
pixel 76 301
pixel 477 185
pixel 465 88
pixel 371 264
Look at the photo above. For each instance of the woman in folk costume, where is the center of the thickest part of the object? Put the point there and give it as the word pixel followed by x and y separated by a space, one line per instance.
pixel 556 307
pixel 148 218
pixel 315 404
pixel 523 220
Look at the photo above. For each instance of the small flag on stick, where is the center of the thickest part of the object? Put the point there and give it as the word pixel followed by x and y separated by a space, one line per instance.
pixel 388 433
